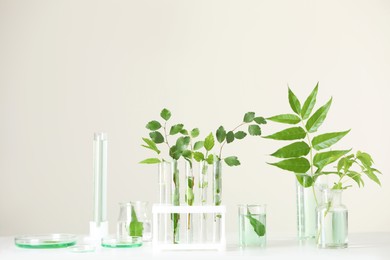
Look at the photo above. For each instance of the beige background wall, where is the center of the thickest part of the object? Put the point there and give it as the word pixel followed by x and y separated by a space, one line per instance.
pixel 70 68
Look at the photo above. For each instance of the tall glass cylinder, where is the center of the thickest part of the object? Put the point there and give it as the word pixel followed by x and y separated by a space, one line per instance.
pixel 204 177
pixel 175 217
pixel 306 212
pixel 100 177
pixel 332 221
pixel 165 197
pixel 189 200
pixel 217 197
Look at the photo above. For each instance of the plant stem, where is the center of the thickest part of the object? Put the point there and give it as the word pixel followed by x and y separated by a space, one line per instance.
pixel 165 134
pixel 224 142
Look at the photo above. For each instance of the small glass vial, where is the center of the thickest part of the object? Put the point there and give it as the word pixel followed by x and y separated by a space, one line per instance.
pixel 332 221
pixel 252 225
pixel 134 221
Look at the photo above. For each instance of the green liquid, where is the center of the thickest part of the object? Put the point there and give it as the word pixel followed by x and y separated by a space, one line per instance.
pixel 334 229
pixel 47 244
pixel 247 235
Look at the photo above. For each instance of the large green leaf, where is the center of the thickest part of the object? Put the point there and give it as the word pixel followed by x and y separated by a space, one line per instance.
pixel 316 120
pixel 254 130
pixel 232 161
pixel 198 145
pixel 176 129
pixel 239 135
pixel 356 177
pixel 309 103
pixel 372 175
pixel 165 114
pixel 327 140
pixel 365 158
pixel 293 133
pixel 220 134
pixel 260 120
pixel 229 137
pixel 320 160
pixel 294 102
pixel 174 152
pixel 157 137
pixel 258 227
pixel 136 227
pixel 198 156
pixel 297 165
pixel 150 145
pixel 209 142
pixel 297 149
pixel 153 125
pixel 248 117
pixel 286 119
pixel 195 132
pixel 150 161
pixel 182 143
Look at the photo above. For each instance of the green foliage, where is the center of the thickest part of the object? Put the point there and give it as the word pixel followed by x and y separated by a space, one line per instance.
pixel 198 145
pixel 232 161
pixel 286 119
pixel 293 133
pixel 150 161
pixel 220 134
pixel 136 227
pixel 150 145
pixel 308 159
pixel 297 165
pixel 175 129
pixel 195 132
pixel 209 142
pixel 229 137
pixel 258 227
pixel 254 130
pixel 327 140
pixel 157 137
pixel 153 125
pixel 249 117
pixel 239 135
pixel 293 150
pixel 165 114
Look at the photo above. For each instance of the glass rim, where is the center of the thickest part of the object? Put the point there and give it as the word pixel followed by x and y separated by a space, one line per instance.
pixel 252 205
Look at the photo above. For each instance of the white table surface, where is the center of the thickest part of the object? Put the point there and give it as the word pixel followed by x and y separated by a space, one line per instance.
pixel 361 246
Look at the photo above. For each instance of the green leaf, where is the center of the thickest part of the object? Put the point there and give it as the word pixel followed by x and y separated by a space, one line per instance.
pixel 345 163
pixel 165 114
pixel 187 154
pixel 309 103
pixel 176 129
pixel 195 132
pixel 316 120
pixel 320 160
pixel 198 156
pixel 293 133
pixel 356 177
pixel 365 158
pixel 239 135
pixel 136 228
pixel 198 145
pixel 150 161
pixel 229 137
pixel 297 165
pixel 210 159
pixel 297 149
pixel 209 142
pixel 157 137
pixel 327 140
pixel 248 117
pixel 286 119
pixel 294 102
pixel 153 125
pixel 305 180
pixel 254 130
pixel 258 227
pixel 232 161
pixel 372 176
pixel 260 120
pixel 182 143
pixel 151 145
pixel 220 134
pixel 184 132
pixel 174 152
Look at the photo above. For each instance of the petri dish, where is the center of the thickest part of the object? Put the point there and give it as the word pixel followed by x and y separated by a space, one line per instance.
pixel 121 242
pixel 46 241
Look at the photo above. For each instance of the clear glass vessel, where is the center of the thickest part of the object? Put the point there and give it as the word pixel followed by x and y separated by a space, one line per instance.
pixel 252 225
pixel 332 221
pixel 217 196
pixel 134 221
pixel 306 212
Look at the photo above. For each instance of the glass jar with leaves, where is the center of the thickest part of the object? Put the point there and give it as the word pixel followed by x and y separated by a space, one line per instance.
pixel 207 158
pixel 252 225
pixel 307 156
pixel 169 174
pixel 332 215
